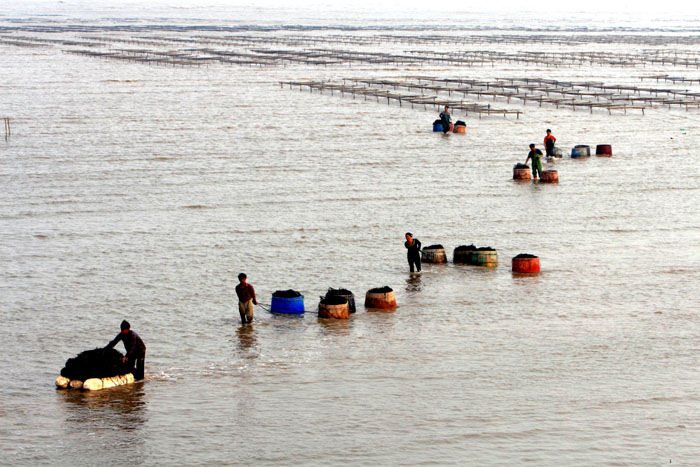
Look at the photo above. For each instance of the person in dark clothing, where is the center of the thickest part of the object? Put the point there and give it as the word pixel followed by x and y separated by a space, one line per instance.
pixel 135 349
pixel 549 141
pixel 246 298
pixel 413 253
pixel 445 119
pixel 535 154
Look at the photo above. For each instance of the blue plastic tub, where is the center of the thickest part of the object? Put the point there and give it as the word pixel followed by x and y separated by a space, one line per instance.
pixel 437 126
pixel 581 151
pixel 292 306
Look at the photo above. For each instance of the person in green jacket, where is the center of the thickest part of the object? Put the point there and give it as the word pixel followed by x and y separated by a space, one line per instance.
pixel 535 155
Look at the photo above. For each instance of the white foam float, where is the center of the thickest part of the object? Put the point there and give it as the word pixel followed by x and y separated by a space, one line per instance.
pixel 95 384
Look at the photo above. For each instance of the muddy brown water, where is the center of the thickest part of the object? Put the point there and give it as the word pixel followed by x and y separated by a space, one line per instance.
pixel 140 192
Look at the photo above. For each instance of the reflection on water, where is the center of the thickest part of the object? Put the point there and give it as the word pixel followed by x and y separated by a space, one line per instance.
pixel 414 283
pixel 337 327
pixel 247 339
pixel 119 412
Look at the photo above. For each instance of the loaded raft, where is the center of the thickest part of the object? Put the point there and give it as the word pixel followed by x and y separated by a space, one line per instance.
pixel 95 369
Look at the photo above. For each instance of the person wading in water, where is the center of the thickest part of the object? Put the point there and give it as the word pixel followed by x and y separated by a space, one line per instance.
pixel 535 154
pixel 246 299
pixel 445 119
pixel 413 253
pixel 549 141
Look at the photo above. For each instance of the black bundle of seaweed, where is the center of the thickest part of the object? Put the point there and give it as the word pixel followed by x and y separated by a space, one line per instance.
pixel 96 363
pixel 526 255
pixel 385 289
pixel 332 291
pixel 437 246
pixel 334 300
pixel 286 294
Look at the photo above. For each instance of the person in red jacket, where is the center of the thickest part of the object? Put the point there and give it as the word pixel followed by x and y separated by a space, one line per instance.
pixel 549 141
pixel 135 349
pixel 246 298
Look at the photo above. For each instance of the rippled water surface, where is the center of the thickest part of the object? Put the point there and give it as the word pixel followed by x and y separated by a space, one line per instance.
pixel 140 192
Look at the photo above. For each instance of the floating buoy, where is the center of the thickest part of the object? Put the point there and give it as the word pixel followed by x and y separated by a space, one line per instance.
pixel 433 254
pixel 346 294
pixel 334 307
pixel 526 264
pixel 288 302
pixel 581 150
pixel 463 254
pixel 75 384
pixel 521 172
pixel 382 297
pixel 603 150
pixel 62 382
pixel 484 256
pixel 95 384
pixel 549 176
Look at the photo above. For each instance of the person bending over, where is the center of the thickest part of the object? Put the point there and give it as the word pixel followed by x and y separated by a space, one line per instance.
pixel 135 349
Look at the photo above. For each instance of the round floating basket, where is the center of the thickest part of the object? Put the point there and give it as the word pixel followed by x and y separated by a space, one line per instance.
pixel 556 152
pixel 486 258
pixel 383 298
pixel 292 306
pixel 526 264
pixel 437 126
pixel 549 176
pixel 335 311
pixel 581 150
pixel 459 128
pixel 462 255
pixel 603 150
pixel 522 174
pixel 433 255
pixel 344 293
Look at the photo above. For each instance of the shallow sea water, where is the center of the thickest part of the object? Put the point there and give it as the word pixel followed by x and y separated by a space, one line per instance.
pixel 140 192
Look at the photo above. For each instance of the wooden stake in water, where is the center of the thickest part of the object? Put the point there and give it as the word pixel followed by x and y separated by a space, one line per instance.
pixel 8 132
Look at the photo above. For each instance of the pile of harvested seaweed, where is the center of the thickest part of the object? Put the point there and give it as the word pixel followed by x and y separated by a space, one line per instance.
pixel 332 291
pixel 526 255
pixel 437 246
pixel 286 294
pixel 460 123
pixel 521 166
pixel 97 363
pixel 485 248
pixel 385 289
pixel 466 248
pixel 334 300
